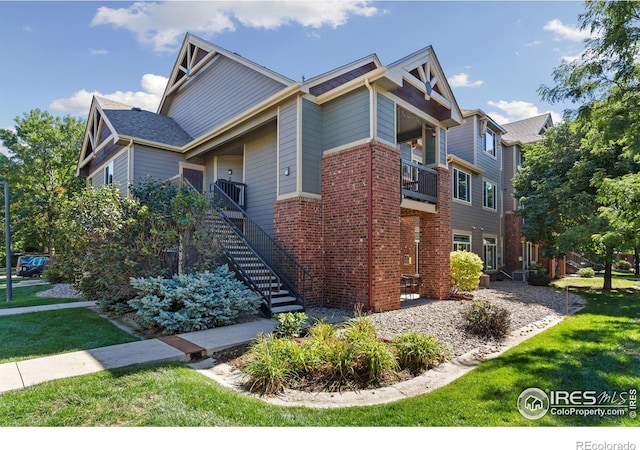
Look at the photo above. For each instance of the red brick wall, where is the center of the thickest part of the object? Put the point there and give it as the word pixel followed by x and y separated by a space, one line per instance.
pixel 345 220
pixel 512 244
pixel 345 195
pixel 435 243
pixel 386 228
pixel 298 228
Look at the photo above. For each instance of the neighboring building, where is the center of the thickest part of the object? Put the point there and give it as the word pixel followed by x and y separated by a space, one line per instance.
pixel 519 254
pixel 475 162
pixel 340 170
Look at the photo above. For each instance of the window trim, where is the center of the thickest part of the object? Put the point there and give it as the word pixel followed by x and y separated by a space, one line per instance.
pixel 464 234
pixel 493 152
pixel 108 173
pixel 494 248
pixel 485 196
pixel 456 185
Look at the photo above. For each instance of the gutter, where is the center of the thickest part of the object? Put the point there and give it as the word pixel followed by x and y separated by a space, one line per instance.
pixel 370 194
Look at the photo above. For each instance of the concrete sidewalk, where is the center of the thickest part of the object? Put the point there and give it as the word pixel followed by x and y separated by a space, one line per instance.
pixel 180 348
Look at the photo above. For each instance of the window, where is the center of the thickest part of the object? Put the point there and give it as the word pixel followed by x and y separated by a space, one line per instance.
pixel 519 160
pixel 461 242
pixel 461 185
pixel 489 196
pixel 490 250
pixel 108 173
pixel 490 142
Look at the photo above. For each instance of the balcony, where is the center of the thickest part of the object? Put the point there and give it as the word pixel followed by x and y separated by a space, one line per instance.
pixel 419 183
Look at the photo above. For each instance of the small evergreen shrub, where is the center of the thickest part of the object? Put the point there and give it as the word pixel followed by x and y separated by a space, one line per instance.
pixel 466 269
pixel 417 351
pixel 586 272
pixel 192 302
pixel 487 320
pixel 291 324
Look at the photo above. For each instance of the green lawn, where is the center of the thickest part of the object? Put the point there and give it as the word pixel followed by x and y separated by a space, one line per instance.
pixel 597 349
pixel 26 296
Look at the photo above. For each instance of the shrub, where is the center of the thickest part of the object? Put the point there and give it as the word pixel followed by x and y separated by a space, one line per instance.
pixel 417 351
pixel 586 272
pixel 192 302
pixel 290 324
pixel 466 269
pixel 623 265
pixel 539 277
pixel 487 320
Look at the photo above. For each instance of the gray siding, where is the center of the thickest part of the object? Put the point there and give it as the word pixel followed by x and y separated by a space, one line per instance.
pixel 311 147
pixel 121 172
pixel 443 146
pixel 218 93
pixel 156 163
pixel 260 176
pixel 288 146
pixel 476 220
pixel 461 142
pixel 386 128
pixel 346 119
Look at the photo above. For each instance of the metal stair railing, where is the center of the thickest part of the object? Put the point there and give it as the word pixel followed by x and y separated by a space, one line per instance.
pixel 295 278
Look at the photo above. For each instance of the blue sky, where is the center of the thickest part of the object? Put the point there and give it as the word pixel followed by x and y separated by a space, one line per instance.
pixel 56 54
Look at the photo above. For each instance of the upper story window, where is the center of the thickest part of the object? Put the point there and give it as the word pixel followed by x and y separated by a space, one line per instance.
pixel 490 142
pixel 519 160
pixel 489 199
pixel 108 173
pixel 461 185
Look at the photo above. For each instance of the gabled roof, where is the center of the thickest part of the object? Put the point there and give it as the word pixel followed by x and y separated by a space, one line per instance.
pixel 526 131
pixel 111 122
pixel 139 124
pixel 195 54
pixel 483 115
pixel 423 71
pixel 323 83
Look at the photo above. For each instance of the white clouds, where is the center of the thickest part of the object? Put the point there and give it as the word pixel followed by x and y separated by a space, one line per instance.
pixel 462 80
pixel 566 32
pixel 98 51
pixel 149 99
pixel 162 25
pixel 517 110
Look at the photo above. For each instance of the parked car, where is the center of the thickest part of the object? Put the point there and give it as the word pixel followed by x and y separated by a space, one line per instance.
pixel 32 265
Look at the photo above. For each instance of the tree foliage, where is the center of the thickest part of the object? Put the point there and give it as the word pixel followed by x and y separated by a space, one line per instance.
pixel 579 195
pixel 44 152
pixel 107 238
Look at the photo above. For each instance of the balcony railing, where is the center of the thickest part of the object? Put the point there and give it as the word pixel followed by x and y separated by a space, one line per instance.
pixel 235 191
pixel 419 182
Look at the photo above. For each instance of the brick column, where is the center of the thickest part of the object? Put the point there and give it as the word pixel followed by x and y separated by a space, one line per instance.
pixel 360 205
pixel 298 228
pixel 512 242
pixel 435 243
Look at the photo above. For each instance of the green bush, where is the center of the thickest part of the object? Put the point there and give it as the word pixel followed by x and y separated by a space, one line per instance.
pixel 192 302
pixel 417 351
pixel 466 269
pixel 622 265
pixel 586 272
pixel 539 277
pixel 291 324
pixel 268 368
pixel 487 320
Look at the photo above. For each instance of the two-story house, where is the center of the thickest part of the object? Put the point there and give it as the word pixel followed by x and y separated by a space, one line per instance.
pixel 475 161
pixel 318 178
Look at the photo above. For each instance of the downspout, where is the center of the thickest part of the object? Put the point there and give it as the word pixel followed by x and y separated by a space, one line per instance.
pixel 370 193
